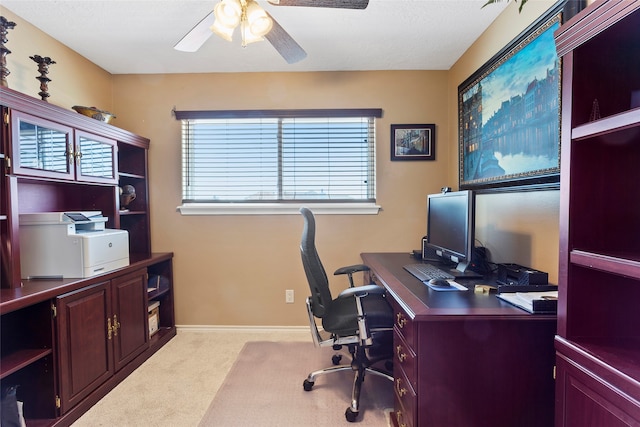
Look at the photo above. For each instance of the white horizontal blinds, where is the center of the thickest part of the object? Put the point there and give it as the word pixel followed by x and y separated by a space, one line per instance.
pixel 278 156
pixel 230 159
pixel 328 159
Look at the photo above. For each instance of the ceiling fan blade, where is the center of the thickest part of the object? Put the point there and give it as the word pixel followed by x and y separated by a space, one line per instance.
pixel 284 43
pixel 338 4
pixel 199 34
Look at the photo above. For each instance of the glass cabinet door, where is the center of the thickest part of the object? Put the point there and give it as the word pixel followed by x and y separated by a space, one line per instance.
pixel 95 158
pixel 41 147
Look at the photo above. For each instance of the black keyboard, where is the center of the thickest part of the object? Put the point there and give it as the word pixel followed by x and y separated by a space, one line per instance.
pixel 426 272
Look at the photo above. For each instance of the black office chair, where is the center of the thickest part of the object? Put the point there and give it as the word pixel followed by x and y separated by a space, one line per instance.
pixel 359 318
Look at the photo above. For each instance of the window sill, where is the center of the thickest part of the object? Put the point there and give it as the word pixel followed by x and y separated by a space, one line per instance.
pixel 277 208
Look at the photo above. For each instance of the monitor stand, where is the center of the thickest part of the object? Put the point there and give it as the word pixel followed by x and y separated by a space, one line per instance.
pixel 462 272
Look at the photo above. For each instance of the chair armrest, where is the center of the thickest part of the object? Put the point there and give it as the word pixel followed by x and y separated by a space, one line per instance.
pixel 351 269
pixel 361 291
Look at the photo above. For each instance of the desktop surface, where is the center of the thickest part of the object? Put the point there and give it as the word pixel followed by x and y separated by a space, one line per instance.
pixel 426 301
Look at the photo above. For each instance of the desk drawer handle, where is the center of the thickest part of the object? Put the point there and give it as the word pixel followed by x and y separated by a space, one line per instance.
pixel 400 320
pixel 399 419
pixel 401 356
pixel 400 390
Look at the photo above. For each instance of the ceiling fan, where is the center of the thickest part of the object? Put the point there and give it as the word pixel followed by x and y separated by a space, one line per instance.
pixel 255 23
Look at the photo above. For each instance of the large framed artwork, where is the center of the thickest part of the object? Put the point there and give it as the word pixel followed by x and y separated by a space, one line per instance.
pixel 509 115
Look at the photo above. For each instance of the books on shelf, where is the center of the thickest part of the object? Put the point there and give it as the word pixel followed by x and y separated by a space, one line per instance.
pixel 533 302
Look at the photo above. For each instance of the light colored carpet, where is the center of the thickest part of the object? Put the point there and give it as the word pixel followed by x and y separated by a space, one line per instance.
pixel 264 388
pixel 176 385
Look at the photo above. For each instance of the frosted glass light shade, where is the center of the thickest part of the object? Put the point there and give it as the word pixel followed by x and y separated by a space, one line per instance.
pixel 259 22
pixel 248 36
pixel 223 31
pixel 228 13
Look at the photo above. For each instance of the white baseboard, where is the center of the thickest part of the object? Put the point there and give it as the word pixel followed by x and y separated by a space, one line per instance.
pixel 240 328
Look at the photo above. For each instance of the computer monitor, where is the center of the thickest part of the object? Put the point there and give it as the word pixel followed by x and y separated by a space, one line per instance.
pixel 450 226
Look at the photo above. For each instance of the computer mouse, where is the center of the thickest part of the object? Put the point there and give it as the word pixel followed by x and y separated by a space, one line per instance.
pixel 440 282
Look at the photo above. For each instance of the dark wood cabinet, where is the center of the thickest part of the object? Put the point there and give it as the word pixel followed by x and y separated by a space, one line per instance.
pixel 67 342
pixel 101 328
pixel 598 340
pixel 86 356
pixel 44 148
pixel 58 160
pixel 40 147
pixel 130 324
pixel 95 158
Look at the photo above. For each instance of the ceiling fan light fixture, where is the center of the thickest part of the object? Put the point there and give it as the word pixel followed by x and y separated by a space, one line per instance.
pixel 223 31
pixel 259 22
pixel 247 35
pixel 228 13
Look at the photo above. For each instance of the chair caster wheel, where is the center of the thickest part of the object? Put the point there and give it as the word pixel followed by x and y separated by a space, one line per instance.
pixel 336 358
pixel 350 415
pixel 308 385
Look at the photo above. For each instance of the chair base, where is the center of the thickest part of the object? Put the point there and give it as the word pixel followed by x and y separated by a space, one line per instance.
pixel 360 369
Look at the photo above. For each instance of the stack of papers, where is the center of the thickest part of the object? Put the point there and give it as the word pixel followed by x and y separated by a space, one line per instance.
pixel 533 302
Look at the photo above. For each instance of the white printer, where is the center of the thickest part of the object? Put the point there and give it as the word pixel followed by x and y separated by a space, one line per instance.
pixel 70 245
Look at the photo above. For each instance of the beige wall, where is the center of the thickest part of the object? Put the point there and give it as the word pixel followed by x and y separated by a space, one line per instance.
pixel 233 270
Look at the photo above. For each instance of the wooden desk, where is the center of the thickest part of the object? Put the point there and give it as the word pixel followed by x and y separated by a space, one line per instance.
pixel 465 359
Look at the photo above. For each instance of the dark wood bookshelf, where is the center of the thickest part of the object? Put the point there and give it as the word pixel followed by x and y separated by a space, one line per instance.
pixel 64 360
pixel 598 339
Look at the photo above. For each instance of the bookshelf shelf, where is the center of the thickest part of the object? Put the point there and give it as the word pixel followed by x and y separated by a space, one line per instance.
pixel 13 362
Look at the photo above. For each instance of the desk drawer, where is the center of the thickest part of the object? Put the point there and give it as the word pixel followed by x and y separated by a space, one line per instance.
pixel 403 324
pixel 405 402
pixel 405 359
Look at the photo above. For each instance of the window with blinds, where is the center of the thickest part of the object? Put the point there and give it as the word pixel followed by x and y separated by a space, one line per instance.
pixel 283 156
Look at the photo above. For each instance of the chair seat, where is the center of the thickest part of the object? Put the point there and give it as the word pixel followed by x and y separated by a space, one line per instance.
pixel 341 316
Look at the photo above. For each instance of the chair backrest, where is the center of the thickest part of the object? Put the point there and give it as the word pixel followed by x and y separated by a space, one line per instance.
pixel 316 275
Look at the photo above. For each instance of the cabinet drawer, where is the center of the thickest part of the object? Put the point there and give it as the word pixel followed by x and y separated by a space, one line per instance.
pixel 405 359
pixel 588 400
pixel 403 324
pixel 405 402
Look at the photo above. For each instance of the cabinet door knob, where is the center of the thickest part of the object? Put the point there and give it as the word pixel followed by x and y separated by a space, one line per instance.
pixel 109 328
pixel 116 325
pixel 70 154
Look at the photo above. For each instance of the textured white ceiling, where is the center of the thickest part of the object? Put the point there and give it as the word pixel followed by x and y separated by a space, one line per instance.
pixel 137 36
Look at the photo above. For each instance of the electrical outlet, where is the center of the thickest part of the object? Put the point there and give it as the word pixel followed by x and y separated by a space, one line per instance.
pixel 288 296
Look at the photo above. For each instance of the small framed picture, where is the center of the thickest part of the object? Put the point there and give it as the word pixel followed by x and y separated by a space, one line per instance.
pixel 413 142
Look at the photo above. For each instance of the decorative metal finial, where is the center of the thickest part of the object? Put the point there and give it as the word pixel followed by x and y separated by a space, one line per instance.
pixel 5 26
pixel 43 69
